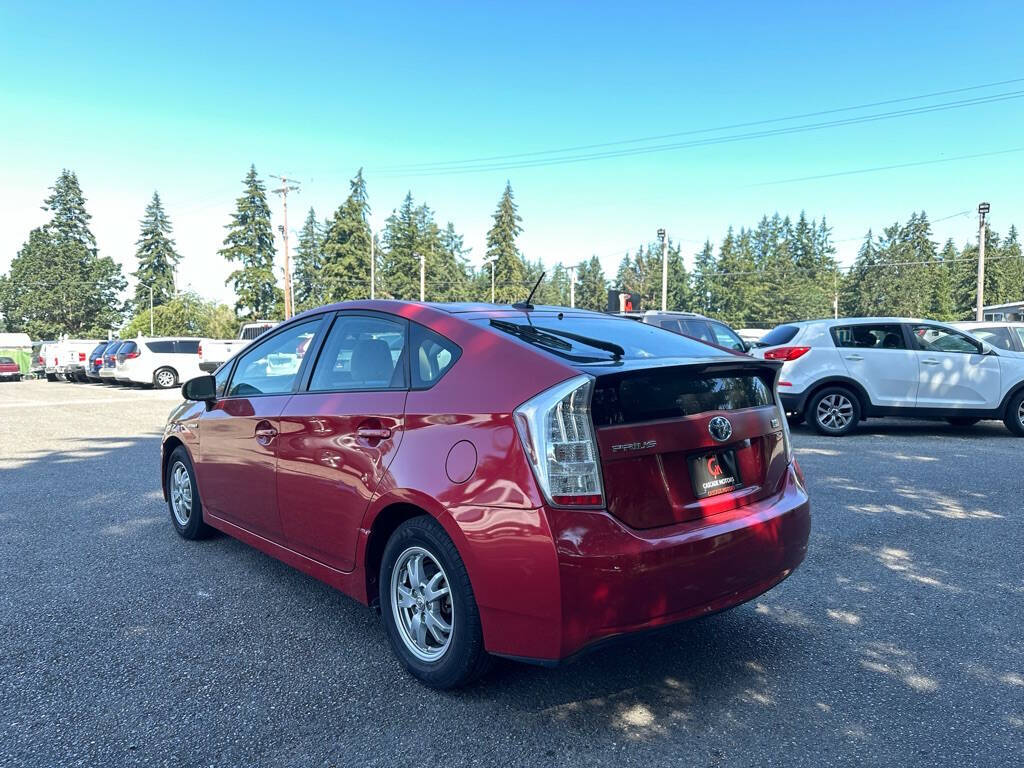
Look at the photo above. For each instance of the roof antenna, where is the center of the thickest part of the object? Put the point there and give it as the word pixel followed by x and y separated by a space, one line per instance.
pixel 526 304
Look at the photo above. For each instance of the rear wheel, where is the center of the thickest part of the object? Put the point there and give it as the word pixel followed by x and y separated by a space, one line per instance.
pixel 428 607
pixel 834 411
pixel 1015 414
pixel 962 421
pixel 183 497
pixel 164 378
pixel 51 377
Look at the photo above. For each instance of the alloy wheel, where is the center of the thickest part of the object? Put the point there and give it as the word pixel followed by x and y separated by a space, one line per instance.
pixel 1020 413
pixel 181 494
pixel 421 603
pixel 835 412
pixel 165 379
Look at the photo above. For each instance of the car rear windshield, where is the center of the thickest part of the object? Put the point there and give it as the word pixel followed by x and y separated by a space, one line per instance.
pixel 780 334
pixel 6 361
pixel 670 393
pixel 127 348
pixel 598 338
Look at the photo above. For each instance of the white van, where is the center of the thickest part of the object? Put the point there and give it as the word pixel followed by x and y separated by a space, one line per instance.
pixel 163 363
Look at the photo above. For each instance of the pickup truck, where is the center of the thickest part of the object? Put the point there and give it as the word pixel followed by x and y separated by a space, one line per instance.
pixel 66 359
pixel 214 352
pixel 9 370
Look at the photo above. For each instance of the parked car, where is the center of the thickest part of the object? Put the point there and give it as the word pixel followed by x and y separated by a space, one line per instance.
pixel 97 357
pixel 163 363
pixel 9 369
pixel 500 481
pixel 215 352
pixel 694 325
pixel 70 357
pixel 1008 336
pixel 39 357
pixel 837 372
pixel 108 373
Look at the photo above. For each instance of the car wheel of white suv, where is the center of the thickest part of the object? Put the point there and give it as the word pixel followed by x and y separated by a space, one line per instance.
pixel 834 411
pixel 1015 414
pixel 164 378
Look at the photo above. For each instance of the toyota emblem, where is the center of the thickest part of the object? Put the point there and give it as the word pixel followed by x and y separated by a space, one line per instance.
pixel 720 428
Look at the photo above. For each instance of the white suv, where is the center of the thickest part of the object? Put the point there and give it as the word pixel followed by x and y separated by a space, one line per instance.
pixel 837 372
pixel 164 363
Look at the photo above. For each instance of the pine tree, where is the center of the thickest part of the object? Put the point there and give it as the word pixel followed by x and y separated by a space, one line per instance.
pixel 307 285
pixel 510 275
pixel 942 305
pixel 156 256
pixel 1012 267
pixel 591 286
pixel 346 247
pixel 409 234
pixel 250 241
pixel 704 267
pixel 453 280
pixel 57 284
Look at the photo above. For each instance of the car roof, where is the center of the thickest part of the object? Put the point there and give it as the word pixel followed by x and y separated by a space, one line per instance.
pixel 466 310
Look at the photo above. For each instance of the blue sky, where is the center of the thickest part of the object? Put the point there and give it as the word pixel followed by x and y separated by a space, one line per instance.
pixel 183 97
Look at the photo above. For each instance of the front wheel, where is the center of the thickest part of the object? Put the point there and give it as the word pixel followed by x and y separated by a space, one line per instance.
pixel 834 411
pixel 183 497
pixel 428 607
pixel 1015 414
pixel 164 378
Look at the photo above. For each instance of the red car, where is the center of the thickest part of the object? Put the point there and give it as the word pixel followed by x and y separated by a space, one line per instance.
pixel 500 481
pixel 9 369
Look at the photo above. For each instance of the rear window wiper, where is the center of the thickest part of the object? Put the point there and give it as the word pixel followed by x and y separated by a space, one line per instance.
pixel 529 333
pixel 614 349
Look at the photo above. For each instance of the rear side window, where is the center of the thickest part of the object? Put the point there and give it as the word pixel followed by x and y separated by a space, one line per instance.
pixel 187 347
pixel 997 337
pixel 699 329
pixel 161 347
pixel 780 334
pixel 1020 334
pixel 432 356
pixel 361 352
pixel 868 336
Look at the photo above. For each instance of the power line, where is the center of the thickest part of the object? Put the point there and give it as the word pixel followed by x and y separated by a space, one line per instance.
pixel 695 131
pixel 888 167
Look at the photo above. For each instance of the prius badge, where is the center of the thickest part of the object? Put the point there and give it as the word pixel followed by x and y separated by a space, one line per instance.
pixel 643 445
pixel 720 428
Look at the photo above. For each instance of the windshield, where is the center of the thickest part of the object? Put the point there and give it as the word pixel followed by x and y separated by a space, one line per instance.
pixel 601 338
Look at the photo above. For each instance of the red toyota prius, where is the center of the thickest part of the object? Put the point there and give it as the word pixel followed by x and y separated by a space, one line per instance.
pixel 509 481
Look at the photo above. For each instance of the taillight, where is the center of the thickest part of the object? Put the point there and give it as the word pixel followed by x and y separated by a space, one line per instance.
pixel 786 353
pixel 131 355
pixel 558 436
pixel 98 361
pixel 81 357
pixel 200 351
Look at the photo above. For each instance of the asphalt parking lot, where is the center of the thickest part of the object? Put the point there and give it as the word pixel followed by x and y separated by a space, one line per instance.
pixel 898 642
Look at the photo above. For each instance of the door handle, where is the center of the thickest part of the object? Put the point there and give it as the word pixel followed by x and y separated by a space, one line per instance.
pixel 930 361
pixel 854 357
pixel 265 433
pixel 368 433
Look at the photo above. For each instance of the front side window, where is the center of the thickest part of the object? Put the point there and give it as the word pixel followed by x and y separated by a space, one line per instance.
pixel 931 338
pixel 1020 334
pixel 997 337
pixel 869 336
pixel 361 352
pixel 221 379
pixel 725 337
pixel 271 367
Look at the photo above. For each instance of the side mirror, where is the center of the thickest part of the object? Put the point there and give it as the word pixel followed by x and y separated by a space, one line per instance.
pixel 202 389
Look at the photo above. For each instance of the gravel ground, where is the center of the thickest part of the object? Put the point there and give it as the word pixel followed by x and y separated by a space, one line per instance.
pixel 898 642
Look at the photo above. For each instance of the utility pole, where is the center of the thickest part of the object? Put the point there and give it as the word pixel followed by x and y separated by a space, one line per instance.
pixel 572 286
pixel 664 270
pixel 491 262
pixel 373 261
pixel 983 208
pixel 150 309
pixel 835 294
pixel 423 277
pixel 283 192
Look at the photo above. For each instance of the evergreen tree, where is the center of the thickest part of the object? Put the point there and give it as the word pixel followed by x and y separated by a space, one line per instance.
pixel 591 286
pixel 1012 267
pixel 346 247
pixel 452 271
pixel 307 285
pixel 704 268
pixel 250 242
pixel 156 256
pixel 510 274
pixel 57 284
pixel 942 305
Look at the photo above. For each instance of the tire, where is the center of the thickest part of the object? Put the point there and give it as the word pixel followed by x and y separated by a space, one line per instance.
pixel 834 411
pixel 962 421
pixel 165 378
pixel 443 660
pixel 51 377
pixel 188 523
pixel 1014 419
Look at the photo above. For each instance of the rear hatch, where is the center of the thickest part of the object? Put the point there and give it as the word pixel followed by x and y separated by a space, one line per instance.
pixel 682 429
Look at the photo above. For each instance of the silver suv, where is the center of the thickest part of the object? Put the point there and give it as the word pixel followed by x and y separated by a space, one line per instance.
pixel 694 325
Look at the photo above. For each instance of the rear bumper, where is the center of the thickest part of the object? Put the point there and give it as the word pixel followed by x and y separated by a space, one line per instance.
pixel 792 402
pixel 107 373
pixel 613 580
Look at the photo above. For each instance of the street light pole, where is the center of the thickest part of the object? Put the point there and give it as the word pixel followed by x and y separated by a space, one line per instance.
pixel 423 277
pixel 572 286
pixel 492 279
pixel 664 270
pixel 983 209
pixel 373 259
